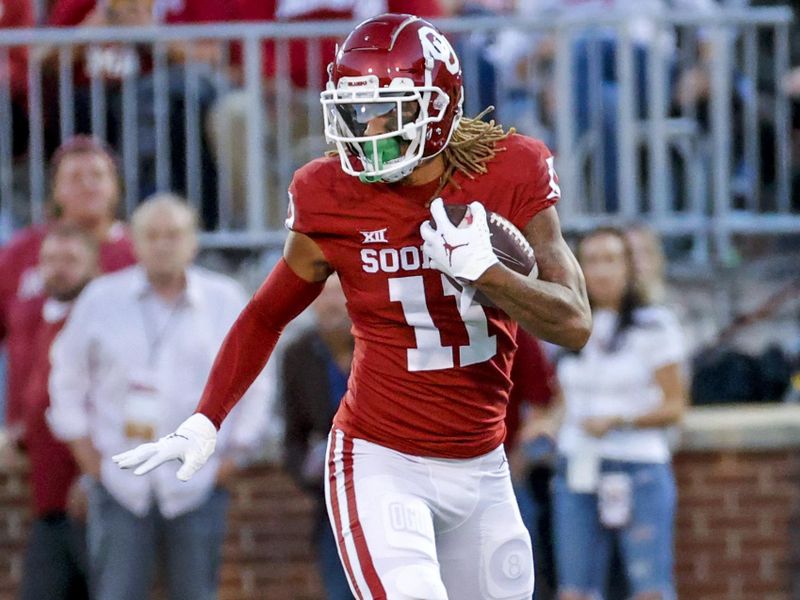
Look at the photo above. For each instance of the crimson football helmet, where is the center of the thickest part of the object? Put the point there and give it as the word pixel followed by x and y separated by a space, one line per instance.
pixel 402 68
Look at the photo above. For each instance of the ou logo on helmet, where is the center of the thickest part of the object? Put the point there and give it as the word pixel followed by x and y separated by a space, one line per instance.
pixel 436 47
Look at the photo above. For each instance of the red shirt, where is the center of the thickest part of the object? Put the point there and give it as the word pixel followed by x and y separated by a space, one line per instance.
pixel 533 379
pixel 111 62
pixel 17 13
pixel 67 13
pixel 426 379
pixel 426 9
pixel 53 469
pixel 265 10
pixel 22 297
pixel 201 11
pixel 72 12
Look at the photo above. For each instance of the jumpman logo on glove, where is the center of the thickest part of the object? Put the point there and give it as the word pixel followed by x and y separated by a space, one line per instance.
pixel 448 248
pixel 441 239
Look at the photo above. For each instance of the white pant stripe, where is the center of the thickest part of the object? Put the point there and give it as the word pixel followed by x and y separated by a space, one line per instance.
pixel 344 516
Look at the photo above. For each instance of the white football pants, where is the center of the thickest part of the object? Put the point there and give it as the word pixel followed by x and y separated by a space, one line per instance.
pixel 418 528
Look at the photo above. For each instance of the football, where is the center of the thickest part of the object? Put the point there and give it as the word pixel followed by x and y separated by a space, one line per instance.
pixel 508 243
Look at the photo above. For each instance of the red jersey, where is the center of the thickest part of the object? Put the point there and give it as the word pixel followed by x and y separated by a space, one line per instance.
pixel 17 13
pixel 534 384
pixel 22 297
pixel 427 379
pixel 53 469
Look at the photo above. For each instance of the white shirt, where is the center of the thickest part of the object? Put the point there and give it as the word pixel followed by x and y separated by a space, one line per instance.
pixel 119 332
pixel 601 383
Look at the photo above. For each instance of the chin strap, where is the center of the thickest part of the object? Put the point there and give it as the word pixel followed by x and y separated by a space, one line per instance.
pixel 363 178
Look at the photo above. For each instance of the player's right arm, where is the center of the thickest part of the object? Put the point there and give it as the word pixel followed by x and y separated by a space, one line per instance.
pixel 292 285
pixel 553 307
pixel 305 258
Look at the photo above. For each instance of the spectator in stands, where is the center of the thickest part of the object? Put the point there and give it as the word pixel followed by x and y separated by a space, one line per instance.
pixel 55 559
pixel 13 14
pixel 614 482
pixel 791 86
pixel 531 427
pixel 649 262
pixel 294 11
pixel 114 65
pixel 131 359
pixel 315 369
pixel 85 193
pixel 17 13
pixel 595 84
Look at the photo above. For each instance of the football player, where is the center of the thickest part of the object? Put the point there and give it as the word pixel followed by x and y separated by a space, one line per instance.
pixel 418 488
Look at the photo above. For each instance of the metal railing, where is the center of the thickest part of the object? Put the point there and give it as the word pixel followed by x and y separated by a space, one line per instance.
pixel 625 149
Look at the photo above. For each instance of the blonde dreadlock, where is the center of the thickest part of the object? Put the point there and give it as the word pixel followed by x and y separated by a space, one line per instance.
pixel 474 143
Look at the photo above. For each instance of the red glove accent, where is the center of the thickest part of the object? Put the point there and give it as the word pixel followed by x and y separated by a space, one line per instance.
pixel 250 342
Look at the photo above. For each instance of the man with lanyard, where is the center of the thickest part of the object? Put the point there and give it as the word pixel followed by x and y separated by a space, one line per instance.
pixel 130 361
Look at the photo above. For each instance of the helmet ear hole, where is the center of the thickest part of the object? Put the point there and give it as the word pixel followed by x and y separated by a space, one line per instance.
pixel 440 102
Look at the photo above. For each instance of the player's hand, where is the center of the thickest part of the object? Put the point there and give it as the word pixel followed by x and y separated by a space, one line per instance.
pixel 464 252
pixel 192 444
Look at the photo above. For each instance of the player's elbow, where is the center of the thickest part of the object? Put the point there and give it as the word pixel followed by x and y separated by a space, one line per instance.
pixel 576 331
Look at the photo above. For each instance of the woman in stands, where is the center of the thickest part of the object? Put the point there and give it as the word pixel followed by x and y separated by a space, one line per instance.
pixel 621 394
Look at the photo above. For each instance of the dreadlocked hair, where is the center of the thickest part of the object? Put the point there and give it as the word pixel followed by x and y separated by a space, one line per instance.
pixel 474 143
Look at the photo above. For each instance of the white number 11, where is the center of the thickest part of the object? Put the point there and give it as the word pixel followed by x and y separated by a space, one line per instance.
pixel 430 354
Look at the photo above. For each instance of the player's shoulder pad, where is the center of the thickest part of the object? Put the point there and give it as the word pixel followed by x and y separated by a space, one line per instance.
pixel 318 173
pixel 518 149
pixel 519 145
pixel 315 193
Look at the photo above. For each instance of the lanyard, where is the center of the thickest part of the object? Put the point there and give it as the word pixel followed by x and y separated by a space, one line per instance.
pixel 155 335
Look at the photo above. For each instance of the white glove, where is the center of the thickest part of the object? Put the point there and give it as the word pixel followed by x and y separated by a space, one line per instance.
pixel 192 443
pixel 463 253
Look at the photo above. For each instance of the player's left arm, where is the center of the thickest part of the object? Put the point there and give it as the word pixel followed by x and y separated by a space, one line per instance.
pixel 553 307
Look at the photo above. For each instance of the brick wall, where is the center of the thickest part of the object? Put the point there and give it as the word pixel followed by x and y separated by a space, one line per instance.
pixel 736 517
pixel 267 552
pixel 737 514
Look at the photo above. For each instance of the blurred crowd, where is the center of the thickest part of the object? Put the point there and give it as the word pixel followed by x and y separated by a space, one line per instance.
pixel 208 107
pixel 111 332
pixel 110 328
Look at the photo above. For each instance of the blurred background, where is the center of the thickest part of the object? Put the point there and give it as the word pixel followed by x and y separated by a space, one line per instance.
pixel 679 118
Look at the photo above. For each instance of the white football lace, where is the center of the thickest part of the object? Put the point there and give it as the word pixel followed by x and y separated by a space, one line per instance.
pixel 515 233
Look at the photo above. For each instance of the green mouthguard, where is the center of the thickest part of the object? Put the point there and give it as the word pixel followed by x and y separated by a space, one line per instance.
pixel 388 149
